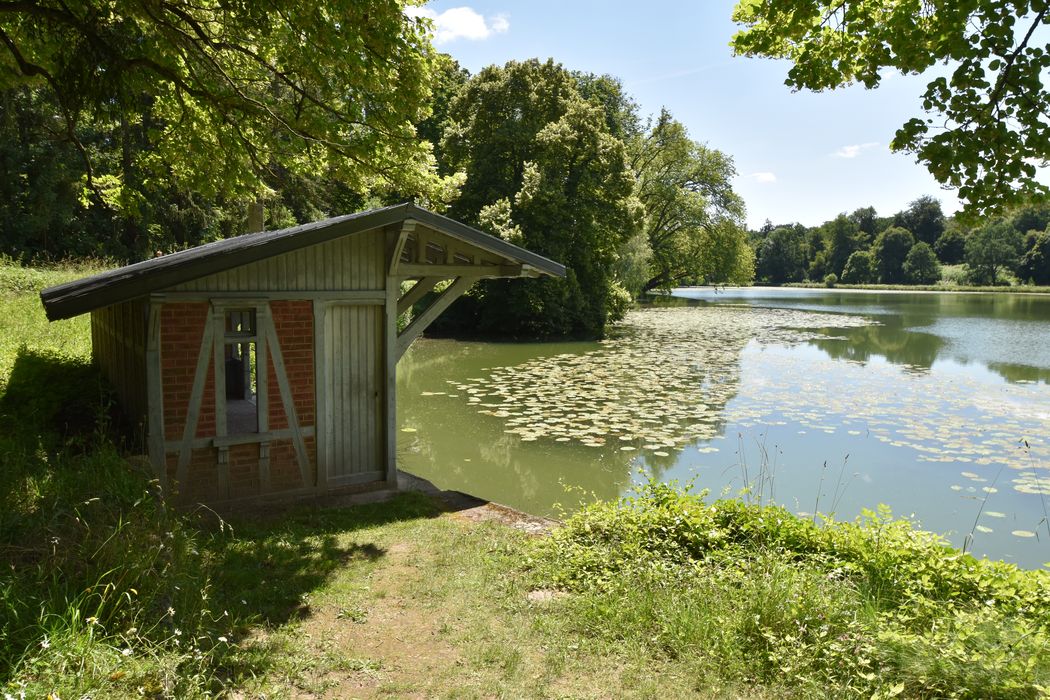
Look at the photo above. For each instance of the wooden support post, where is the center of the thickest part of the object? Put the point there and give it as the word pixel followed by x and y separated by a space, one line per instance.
pixel 419 290
pixel 218 323
pixel 264 467
pixel 155 399
pixel 262 402
pixel 420 323
pixel 320 396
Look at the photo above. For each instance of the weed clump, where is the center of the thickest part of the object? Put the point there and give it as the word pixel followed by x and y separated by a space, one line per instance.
pixel 756 595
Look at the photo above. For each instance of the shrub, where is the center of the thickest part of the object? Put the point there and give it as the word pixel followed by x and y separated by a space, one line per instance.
pixel 830 280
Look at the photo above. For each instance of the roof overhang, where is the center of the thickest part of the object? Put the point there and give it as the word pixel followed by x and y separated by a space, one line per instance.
pixel 132 281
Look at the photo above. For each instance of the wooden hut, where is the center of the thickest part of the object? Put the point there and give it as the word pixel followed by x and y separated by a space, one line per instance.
pixel 264 366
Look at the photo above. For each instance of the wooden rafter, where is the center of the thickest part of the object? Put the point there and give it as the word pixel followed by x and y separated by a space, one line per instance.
pixel 446 271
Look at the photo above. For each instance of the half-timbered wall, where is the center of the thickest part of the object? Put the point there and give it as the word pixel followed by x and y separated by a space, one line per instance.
pixel 222 469
pixel 118 347
pixel 354 262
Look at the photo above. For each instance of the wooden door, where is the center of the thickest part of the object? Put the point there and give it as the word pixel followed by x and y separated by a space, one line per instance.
pixel 353 378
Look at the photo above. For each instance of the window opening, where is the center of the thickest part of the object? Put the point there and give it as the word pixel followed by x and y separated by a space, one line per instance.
pixel 242 382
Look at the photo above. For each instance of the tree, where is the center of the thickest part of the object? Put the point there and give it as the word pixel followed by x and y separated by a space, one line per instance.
pixel 543 171
pixel 816 253
pixel 1035 263
pixel 923 218
pixel 606 91
pixel 1031 216
pixel 859 269
pixel 994 247
pixel 921 266
pixel 448 78
pixel 889 252
pixel 226 94
pixel 781 256
pixel 985 130
pixel 866 219
pixel 844 238
pixel 693 219
pixel 951 246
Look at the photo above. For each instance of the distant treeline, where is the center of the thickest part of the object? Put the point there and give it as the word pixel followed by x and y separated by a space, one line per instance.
pixel 910 247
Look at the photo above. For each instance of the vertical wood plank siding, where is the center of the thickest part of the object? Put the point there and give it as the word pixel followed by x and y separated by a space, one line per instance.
pixel 353 262
pixel 352 337
pixel 118 347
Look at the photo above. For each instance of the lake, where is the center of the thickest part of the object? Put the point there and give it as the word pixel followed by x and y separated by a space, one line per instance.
pixel 824 401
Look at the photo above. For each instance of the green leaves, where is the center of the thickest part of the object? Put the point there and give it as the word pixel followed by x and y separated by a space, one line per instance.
pixel 227 94
pixel 986 127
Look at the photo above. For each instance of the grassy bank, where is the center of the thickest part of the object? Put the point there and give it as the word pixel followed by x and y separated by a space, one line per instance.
pixel 939 287
pixel 742 594
pixel 104 593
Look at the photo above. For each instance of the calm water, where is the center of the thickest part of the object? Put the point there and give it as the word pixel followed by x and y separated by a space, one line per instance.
pixel 937 405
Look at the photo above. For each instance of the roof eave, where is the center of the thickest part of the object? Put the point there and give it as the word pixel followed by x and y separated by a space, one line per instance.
pixel 140 279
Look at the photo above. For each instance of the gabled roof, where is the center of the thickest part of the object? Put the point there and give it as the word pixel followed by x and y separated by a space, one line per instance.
pixel 112 287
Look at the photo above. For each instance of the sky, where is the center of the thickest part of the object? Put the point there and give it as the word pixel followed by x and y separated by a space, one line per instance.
pixel 800 156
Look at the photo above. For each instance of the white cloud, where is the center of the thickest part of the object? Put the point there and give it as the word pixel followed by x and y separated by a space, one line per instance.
pixel 763 177
pixel 461 23
pixel 854 150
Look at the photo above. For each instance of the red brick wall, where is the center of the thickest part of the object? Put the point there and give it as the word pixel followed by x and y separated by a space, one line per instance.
pixel 181 330
pixel 244 471
pixel 294 323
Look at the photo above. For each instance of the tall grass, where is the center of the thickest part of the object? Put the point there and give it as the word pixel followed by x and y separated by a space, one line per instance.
pixel 101 588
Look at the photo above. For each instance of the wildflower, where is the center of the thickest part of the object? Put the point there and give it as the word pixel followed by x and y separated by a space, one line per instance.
pixel 171 611
pixel 125 652
pixel 92 620
pixel 45 643
pixel 223 639
pixel 178 632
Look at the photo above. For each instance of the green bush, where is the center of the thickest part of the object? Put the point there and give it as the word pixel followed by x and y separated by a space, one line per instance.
pixel 831 280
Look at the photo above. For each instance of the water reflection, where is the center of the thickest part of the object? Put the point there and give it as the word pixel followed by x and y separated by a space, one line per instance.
pixel 914 349
pixel 1005 333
